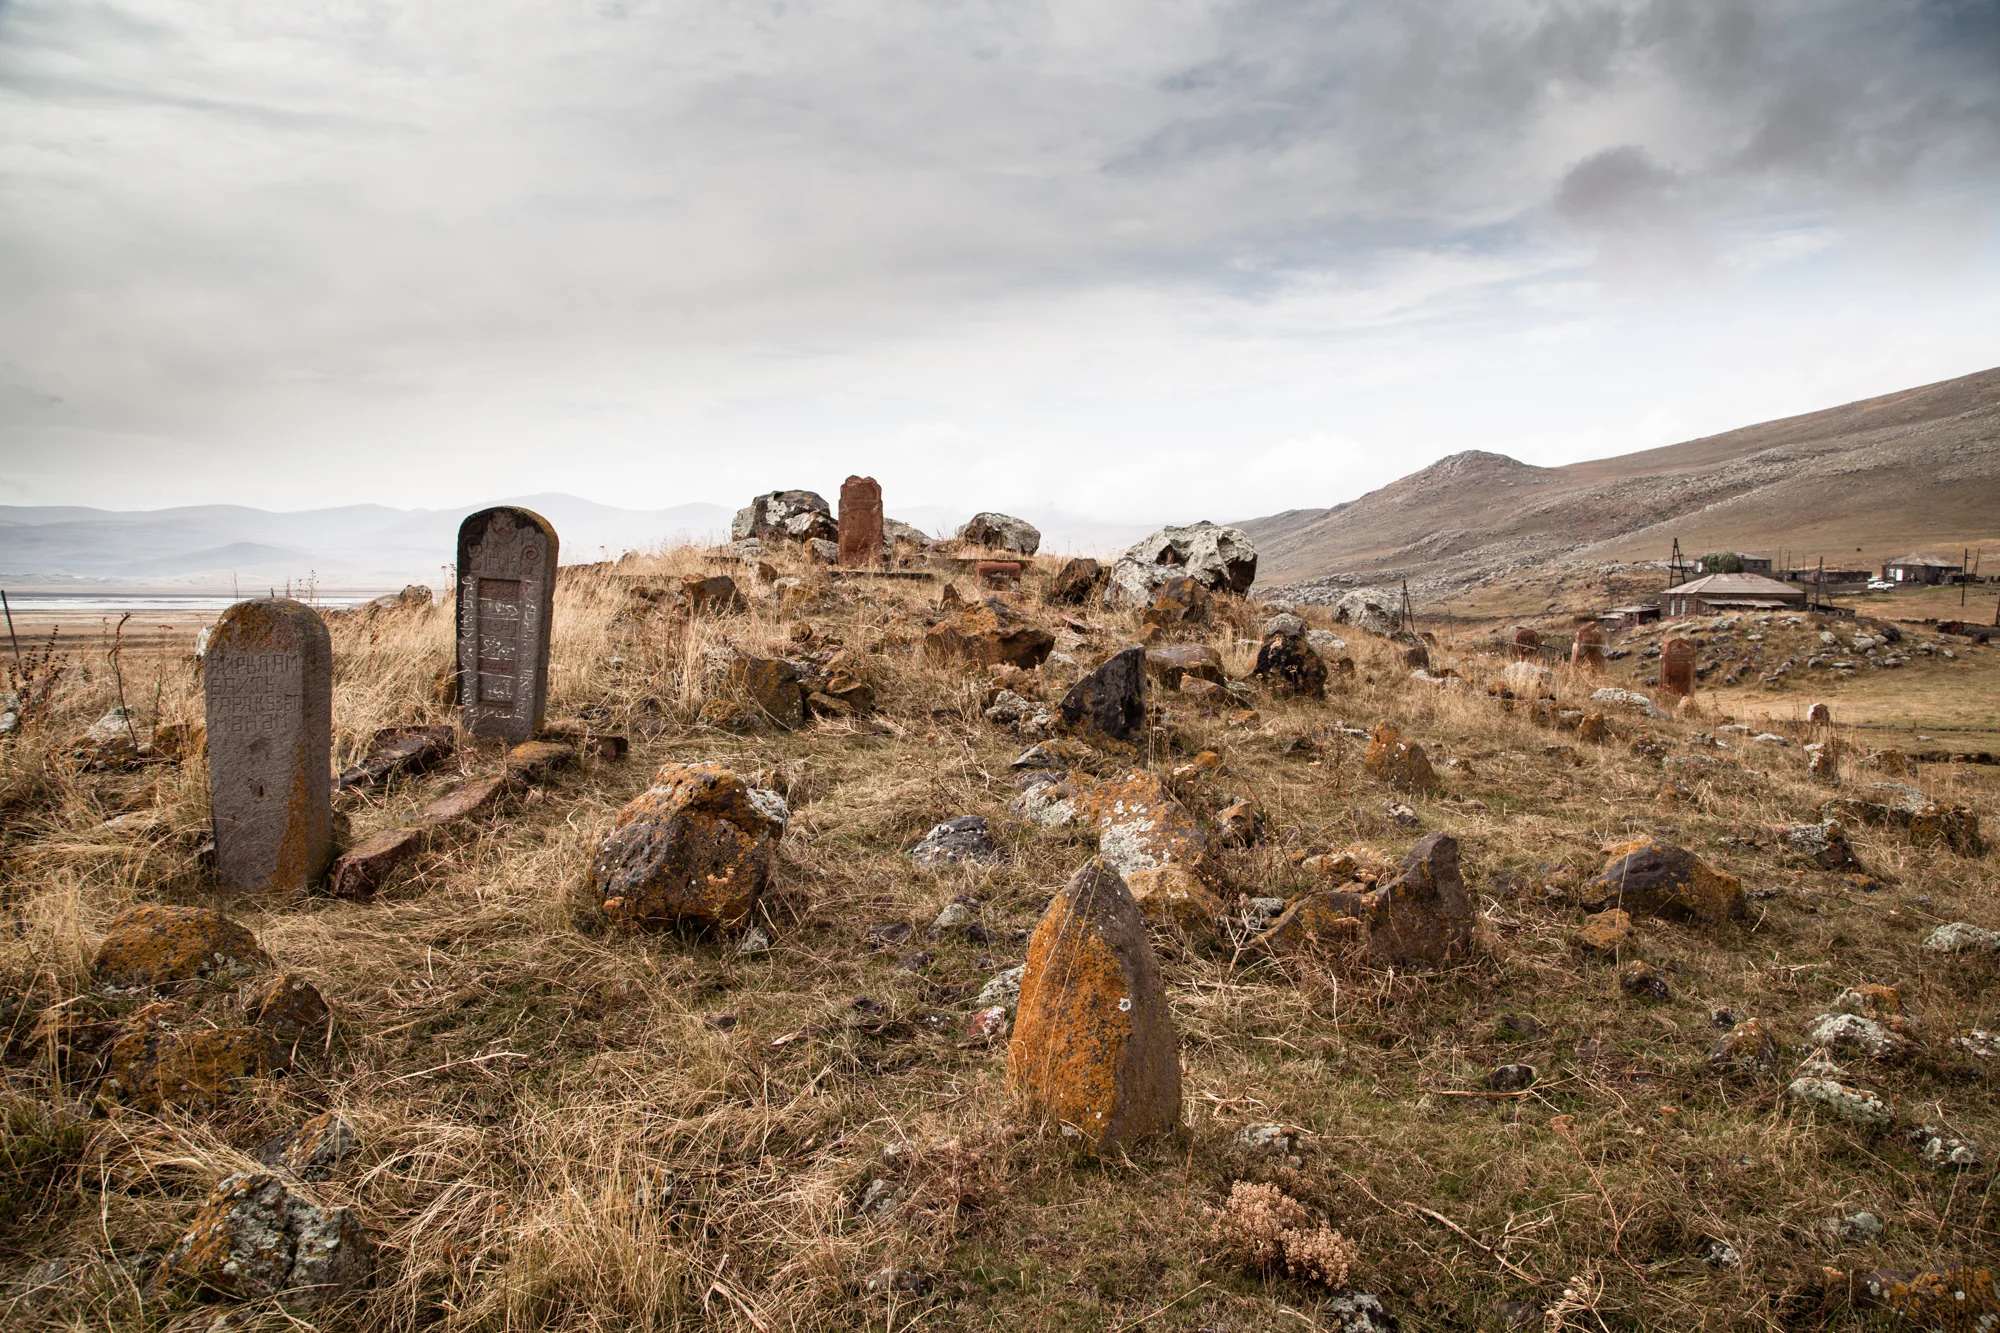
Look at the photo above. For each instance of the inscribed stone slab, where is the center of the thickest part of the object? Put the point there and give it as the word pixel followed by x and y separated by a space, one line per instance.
pixel 506 600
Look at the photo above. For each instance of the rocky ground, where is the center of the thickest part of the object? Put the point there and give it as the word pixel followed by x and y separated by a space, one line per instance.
pixel 1501 999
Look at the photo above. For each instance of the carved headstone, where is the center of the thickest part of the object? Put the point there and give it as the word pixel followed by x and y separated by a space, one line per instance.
pixel 1587 653
pixel 1677 667
pixel 997 575
pixel 268 687
pixel 506 599
pixel 1527 645
pixel 860 522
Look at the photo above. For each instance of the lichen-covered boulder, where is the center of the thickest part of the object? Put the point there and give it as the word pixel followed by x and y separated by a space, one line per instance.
pixel 1400 763
pixel 1171 896
pixel 157 945
pixel 1220 559
pixel 1094 1045
pixel 291 1009
pixel 1747 1046
pixel 1110 701
pixel 1375 610
pixel 1603 934
pixel 1175 664
pixel 1001 532
pixel 1422 918
pixel 254 1238
pixel 697 847
pixel 153 1066
pixel 990 633
pixel 316 1148
pixel 1287 663
pixel 710 595
pixel 785 516
pixel 1823 845
pixel 1074 583
pixel 964 839
pixel 1651 878
pixel 773 685
pixel 1140 826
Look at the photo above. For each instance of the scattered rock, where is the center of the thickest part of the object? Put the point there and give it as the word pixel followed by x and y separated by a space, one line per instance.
pixel 1855 1035
pixel 1287 663
pixel 1963 937
pixel 254 1237
pixel 1002 989
pixel 1862 1227
pixel 1840 1101
pixel 1140 826
pixel 786 516
pixel 1511 1078
pixel 1604 934
pixel 396 751
pixel 317 1147
pixel 531 761
pixel 989 633
pixel 697 847
pixel 154 1067
pixel 157 945
pixel 1094 1044
pixel 1217 558
pixel 755 941
pixel 1400 763
pixel 1111 701
pixel 987 1024
pixel 1642 981
pixel 1375 610
pixel 1176 664
pixel 1001 532
pixel 1747 1046
pixel 964 839
pixel 359 873
pixel 292 1010
pixel 1170 896
pixel 1824 845
pixel 1944 1298
pixel 1076 582
pixel 1423 918
pixel 1266 1137
pixel 1654 878
pixel 1939 1147
pixel 1239 823
pixel 773 687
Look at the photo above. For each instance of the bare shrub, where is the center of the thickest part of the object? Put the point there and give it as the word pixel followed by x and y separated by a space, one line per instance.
pixel 1262 1228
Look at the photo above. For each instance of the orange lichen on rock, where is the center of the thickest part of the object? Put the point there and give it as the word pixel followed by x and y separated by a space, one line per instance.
pixel 1651 878
pixel 987 633
pixel 153 1067
pixel 1400 763
pixel 254 1237
pixel 1422 918
pixel 1140 826
pixel 291 1009
pixel 697 847
pixel 1094 1044
pixel 1170 896
pixel 1604 933
pixel 157 945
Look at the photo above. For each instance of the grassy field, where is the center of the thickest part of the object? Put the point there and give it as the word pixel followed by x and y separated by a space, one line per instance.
pixel 566 1127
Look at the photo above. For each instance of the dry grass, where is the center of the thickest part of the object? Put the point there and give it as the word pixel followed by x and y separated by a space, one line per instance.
pixel 559 1129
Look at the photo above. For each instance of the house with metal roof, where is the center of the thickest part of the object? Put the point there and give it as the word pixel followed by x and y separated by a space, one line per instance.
pixel 1918 568
pixel 1731 592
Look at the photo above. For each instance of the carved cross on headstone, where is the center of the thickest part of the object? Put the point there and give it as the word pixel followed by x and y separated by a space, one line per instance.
pixel 506 599
pixel 860 522
pixel 267 684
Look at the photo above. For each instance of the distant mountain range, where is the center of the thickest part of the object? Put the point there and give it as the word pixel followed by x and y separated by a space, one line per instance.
pixel 1856 485
pixel 223 547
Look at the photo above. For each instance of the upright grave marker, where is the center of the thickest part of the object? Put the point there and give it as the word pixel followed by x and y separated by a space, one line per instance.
pixel 860 522
pixel 1587 653
pixel 506 599
pixel 1677 667
pixel 267 683
pixel 1527 645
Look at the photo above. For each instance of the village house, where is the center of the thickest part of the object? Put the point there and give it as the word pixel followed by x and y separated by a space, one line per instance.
pixel 1731 592
pixel 1917 568
pixel 1745 564
pixel 1625 617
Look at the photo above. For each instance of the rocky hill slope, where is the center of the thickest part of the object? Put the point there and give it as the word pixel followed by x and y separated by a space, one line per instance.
pixel 1855 484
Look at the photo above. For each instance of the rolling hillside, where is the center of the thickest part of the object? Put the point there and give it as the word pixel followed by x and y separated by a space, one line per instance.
pixel 1855 484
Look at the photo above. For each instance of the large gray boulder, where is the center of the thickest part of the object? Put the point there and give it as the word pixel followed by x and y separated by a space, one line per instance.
pixel 1376 610
pixel 786 516
pixel 1220 559
pixel 1001 532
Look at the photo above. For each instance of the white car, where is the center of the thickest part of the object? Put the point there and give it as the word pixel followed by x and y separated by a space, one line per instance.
pixel 1880 585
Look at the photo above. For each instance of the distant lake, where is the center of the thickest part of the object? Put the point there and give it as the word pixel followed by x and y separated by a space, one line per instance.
pixel 111 604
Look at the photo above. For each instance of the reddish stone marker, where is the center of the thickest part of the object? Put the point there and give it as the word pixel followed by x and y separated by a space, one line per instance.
pixel 1677 667
pixel 268 687
pixel 1527 645
pixel 997 575
pixel 1587 653
pixel 506 600
pixel 860 522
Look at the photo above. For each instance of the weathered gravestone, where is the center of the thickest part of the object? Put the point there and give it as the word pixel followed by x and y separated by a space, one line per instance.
pixel 860 522
pixel 1587 653
pixel 506 599
pixel 1677 667
pixel 1527 646
pixel 268 687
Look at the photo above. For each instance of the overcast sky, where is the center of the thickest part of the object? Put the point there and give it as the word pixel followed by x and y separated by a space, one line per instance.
pixel 1138 259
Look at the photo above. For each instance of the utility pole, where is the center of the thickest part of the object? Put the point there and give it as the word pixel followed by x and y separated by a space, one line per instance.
pixel 1819 585
pixel 1964 571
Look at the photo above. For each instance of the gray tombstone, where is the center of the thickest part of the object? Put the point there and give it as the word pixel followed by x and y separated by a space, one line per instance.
pixel 506 599
pixel 267 681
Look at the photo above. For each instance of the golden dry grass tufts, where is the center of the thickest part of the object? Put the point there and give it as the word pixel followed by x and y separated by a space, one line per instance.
pixel 564 1126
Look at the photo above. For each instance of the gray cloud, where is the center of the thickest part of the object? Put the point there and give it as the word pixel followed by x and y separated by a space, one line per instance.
pixel 224 226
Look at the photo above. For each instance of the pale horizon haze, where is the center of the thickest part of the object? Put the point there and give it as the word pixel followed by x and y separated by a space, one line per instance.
pixel 1139 262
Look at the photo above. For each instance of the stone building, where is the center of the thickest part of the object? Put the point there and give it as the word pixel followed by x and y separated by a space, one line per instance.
pixel 1731 592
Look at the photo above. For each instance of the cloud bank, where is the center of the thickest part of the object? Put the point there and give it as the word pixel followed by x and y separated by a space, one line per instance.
pixel 1169 259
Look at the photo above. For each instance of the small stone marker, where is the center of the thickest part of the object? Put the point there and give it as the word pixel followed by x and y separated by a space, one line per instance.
pixel 1527 645
pixel 1587 653
pixel 860 522
pixel 1677 667
pixel 506 599
pixel 997 575
pixel 268 686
